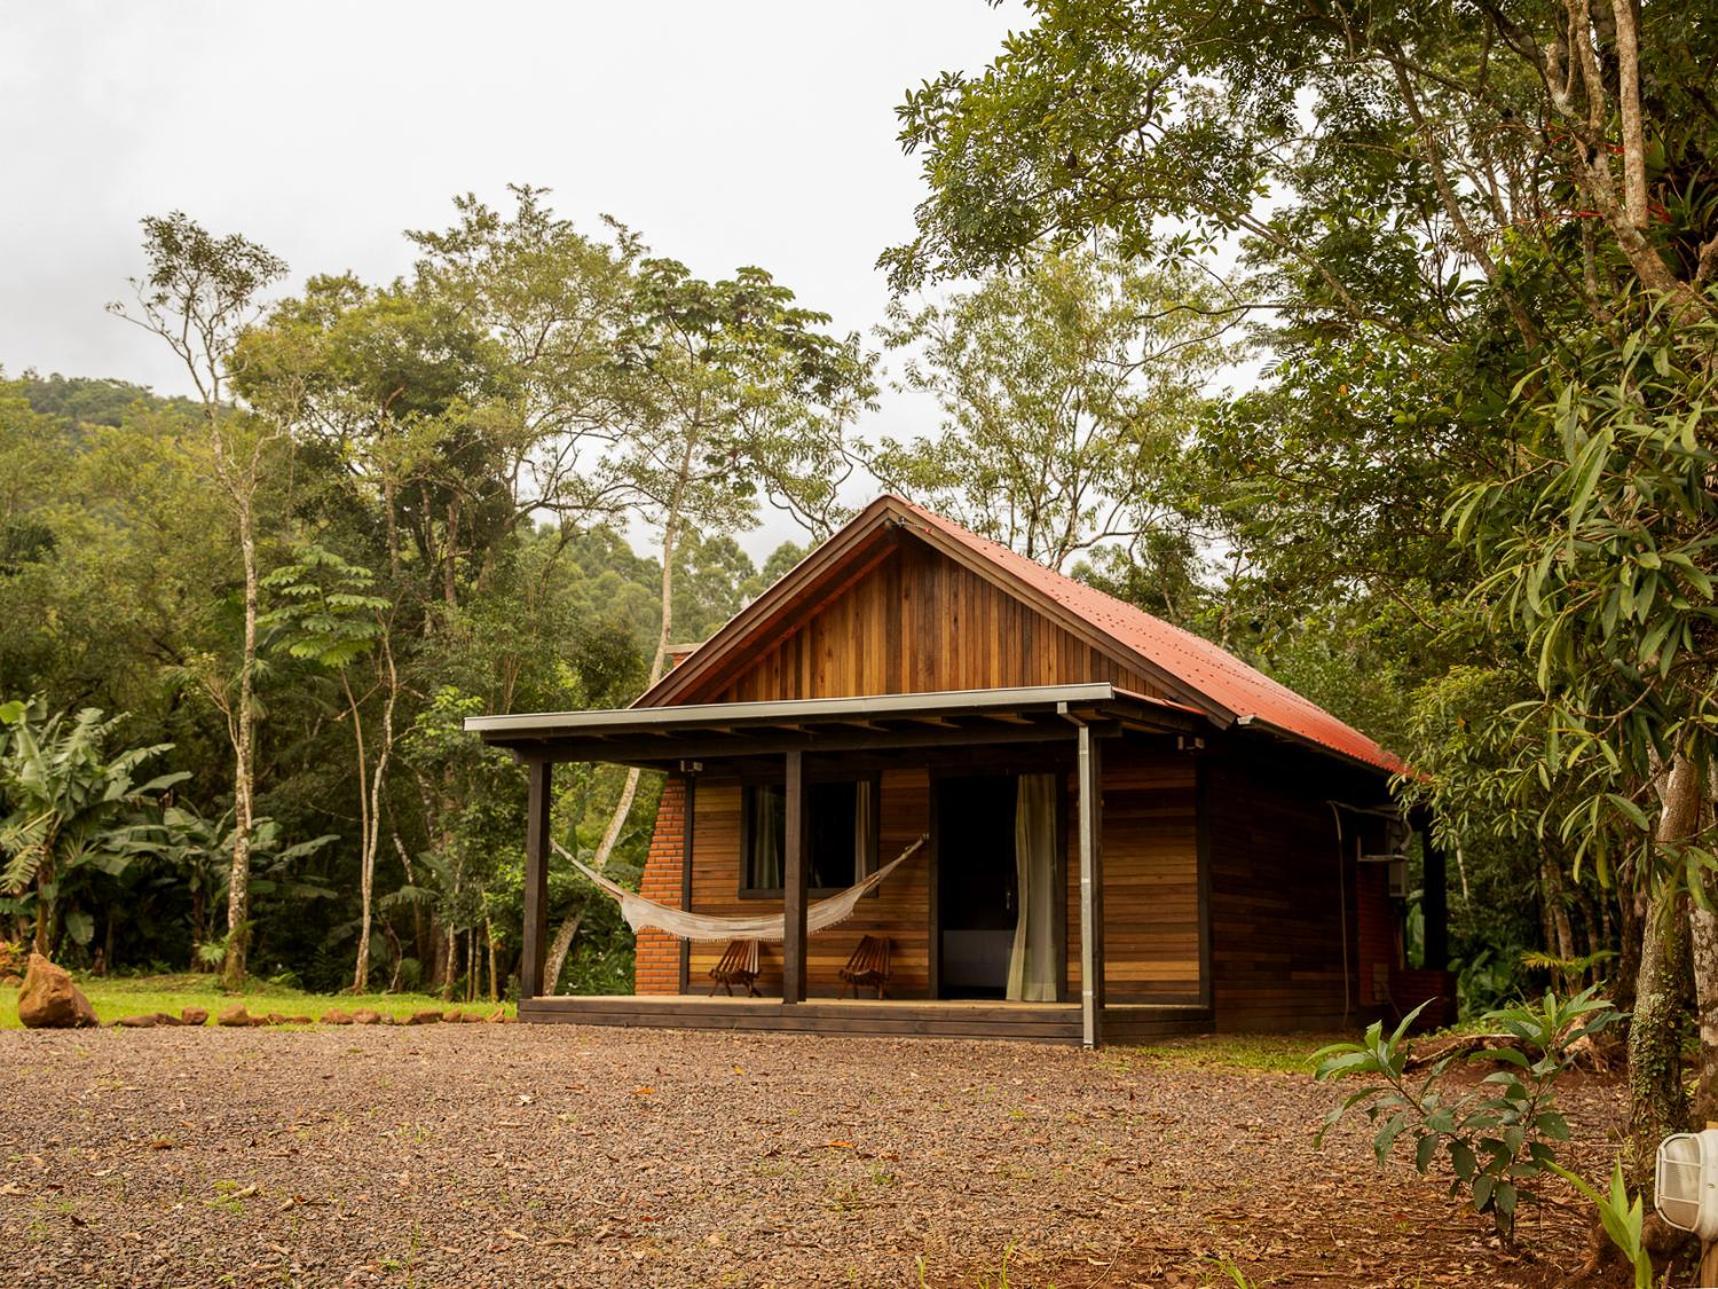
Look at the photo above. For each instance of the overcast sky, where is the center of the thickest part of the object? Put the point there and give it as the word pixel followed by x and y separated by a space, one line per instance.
pixel 727 133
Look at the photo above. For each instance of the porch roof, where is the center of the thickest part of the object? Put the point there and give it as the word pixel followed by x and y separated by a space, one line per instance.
pixel 663 735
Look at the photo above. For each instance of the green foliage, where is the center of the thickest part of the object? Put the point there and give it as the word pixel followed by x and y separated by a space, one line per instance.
pixel 1603 544
pixel 1622 1216
pixel 70 803
pixel 194 854
pixel 735 395
pixel 1066 389
pixel 1497 1139
pixel 326 614
pixel 435 478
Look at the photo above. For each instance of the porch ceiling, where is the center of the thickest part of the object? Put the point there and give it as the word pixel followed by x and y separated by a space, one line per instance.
pixel 665 735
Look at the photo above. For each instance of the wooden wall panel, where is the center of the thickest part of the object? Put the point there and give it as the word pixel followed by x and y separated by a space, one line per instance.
pixel 919 623
pixel 1151 876
pixel 900 909
pixel 1284 931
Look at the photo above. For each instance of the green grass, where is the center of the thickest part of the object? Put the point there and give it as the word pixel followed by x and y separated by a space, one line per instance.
pixel 135 995
pixel 1274 1053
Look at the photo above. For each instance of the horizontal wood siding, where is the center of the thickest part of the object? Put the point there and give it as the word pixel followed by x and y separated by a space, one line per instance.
pixel 900 909
pixel 1151 876
pixel 917 622
pixel 1280 888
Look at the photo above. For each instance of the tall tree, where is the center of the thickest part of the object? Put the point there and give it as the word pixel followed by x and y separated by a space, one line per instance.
pixel 1067 387
pixel 734 395
pixel 327 616
pixel 549 303
pixel 1451 221
pixel 199 293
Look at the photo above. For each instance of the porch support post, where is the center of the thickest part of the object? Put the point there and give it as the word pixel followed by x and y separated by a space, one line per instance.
pixel 1434 898
pixel 794 884
pixel 687 814
pixel 1090 773
pixel 539 782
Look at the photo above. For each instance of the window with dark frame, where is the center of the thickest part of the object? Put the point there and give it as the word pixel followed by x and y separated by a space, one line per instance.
pixel 841 835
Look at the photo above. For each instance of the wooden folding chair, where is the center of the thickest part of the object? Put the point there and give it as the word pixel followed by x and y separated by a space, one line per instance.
pixel 869 966
pixel 739 966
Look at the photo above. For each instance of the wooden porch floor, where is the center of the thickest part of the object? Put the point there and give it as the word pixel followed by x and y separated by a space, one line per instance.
pixel 1031 1022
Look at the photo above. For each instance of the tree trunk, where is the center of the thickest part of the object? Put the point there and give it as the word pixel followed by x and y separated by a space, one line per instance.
pixel 371 809
pixel 43 941
pixel 494 980
pixel 1657 1105
pixel 239 880
pixel 1703 951
pixel 361 973
pixel 451 969
pixel 1559 933
pixel 558 949
pixel 557 956
pixel 475 966
pixel 1628 95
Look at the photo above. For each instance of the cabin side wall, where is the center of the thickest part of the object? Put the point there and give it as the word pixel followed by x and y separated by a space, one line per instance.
pixel 1300 932
pixel 1151 875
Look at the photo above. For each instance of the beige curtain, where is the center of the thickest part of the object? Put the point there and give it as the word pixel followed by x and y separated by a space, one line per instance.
pixel 1032 964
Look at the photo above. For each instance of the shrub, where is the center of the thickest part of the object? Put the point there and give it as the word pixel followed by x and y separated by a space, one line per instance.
pixel 1498 1137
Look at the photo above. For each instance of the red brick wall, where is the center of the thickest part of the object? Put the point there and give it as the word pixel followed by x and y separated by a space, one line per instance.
pixel 656 958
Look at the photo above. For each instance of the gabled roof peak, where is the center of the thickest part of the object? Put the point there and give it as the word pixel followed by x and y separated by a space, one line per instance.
pixel 1201 673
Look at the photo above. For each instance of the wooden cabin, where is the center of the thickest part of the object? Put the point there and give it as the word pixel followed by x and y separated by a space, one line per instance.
pixel 1128 831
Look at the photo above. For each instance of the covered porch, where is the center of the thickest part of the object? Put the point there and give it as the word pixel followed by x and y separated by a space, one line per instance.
pixel 915 750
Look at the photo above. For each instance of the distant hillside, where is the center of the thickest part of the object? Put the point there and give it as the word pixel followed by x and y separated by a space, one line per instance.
pixel 89 400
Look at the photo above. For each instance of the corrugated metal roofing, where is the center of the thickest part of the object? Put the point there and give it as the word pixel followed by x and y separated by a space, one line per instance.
pixel 1245 692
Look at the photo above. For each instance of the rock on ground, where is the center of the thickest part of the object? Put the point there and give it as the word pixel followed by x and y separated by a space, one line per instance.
pixel 50 1000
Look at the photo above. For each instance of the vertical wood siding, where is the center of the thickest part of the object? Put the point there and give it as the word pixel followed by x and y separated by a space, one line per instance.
pixel 919 623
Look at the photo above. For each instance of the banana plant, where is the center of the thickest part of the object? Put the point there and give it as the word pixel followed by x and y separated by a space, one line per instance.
pixel 198 850
pixel 71 808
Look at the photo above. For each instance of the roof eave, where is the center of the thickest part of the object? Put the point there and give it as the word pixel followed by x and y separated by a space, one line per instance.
pixel 1255 722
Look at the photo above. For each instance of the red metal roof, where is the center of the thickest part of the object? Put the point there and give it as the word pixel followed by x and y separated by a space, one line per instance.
pixel 1243 692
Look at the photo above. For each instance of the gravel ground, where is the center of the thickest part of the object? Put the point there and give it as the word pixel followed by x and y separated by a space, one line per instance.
pixel 513 1155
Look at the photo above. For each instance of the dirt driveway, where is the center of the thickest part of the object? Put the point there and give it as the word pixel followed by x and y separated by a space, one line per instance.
pixel 514 1155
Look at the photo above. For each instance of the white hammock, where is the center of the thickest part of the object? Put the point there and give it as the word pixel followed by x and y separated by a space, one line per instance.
pixel 684 925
